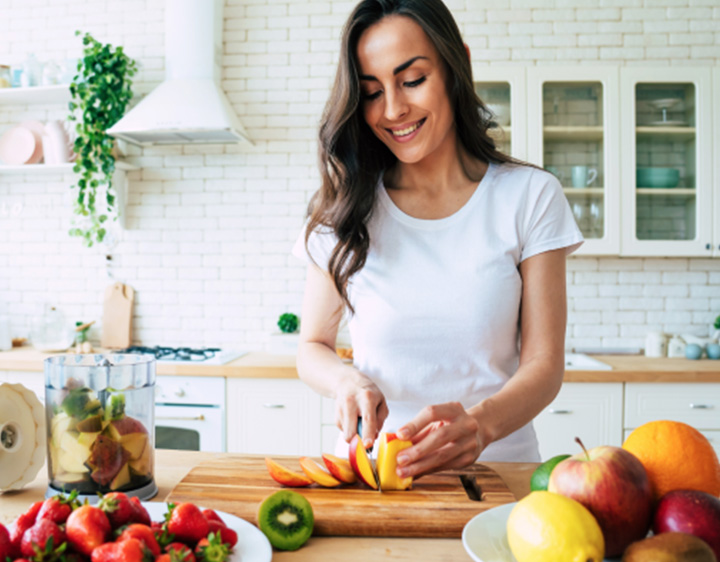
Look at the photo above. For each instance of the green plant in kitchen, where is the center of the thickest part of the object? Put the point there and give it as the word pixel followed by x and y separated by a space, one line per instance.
pixel 100 91
pixel 288 323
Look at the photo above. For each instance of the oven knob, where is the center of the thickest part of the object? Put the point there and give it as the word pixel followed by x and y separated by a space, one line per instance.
pixel 179 393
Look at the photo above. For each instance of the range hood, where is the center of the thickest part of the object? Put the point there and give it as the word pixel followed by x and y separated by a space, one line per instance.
pixel 189 106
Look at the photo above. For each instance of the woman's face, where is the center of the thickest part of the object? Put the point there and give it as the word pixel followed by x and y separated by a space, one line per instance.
pixel 403 85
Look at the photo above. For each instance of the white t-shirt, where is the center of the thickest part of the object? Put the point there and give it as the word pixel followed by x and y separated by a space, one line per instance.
pixel 437 303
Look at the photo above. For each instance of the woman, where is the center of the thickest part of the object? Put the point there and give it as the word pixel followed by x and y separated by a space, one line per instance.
pixel 446 253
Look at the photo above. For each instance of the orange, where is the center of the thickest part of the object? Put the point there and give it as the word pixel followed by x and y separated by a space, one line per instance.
pixel 676 456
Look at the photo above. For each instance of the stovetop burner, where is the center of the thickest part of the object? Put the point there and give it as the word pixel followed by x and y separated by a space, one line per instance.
pixel 208 355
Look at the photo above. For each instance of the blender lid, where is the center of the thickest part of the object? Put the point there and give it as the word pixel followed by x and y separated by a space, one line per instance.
pixel 22 436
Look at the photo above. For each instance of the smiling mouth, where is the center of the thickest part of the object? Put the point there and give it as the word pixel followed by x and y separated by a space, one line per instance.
pixel 407 130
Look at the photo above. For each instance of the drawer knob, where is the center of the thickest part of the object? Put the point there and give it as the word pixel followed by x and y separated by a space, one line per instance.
pixel 556 411
pixel 701 406
pixel 274 406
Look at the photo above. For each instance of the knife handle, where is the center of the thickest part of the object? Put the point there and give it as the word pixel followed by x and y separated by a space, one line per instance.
pixel 360 433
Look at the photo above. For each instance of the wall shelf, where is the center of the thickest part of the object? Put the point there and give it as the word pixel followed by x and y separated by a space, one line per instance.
pixel 584 191
pixel 554 133
pixel 35 95
pixel 56 168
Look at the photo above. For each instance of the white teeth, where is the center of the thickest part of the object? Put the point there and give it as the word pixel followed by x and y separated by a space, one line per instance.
pixel 403 132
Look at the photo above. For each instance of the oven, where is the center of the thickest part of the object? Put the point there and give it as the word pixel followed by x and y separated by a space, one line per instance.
pixel 189 410
pixel 190 413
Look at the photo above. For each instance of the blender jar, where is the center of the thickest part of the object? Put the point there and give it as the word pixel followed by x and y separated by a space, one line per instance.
pixel 100 424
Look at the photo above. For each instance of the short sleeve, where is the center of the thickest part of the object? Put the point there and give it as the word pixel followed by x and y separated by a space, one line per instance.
pixel 550 224
pixel 320 245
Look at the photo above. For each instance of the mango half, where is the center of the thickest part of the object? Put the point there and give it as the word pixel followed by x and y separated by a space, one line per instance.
pixel 386 464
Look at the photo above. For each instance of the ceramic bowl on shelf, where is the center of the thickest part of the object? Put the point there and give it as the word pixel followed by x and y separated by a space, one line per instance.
pixel 657 177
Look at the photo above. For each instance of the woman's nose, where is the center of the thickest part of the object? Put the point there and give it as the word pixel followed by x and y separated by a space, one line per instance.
pixel 395 106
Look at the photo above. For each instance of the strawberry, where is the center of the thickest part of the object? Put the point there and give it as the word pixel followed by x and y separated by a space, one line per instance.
pixel 20 525
pixel 141 514
pixel 187 523
pixel 211 549
pixel 58 508
pixel 227 535
pixel 179 552
pixel 87 528
pixel 118 508
pixel 211 515
pixel 42 540
pixel 130 550
pixel 5 543
pixel 144 534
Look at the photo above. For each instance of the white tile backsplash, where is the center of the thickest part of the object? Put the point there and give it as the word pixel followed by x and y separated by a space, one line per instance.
pixel 210 228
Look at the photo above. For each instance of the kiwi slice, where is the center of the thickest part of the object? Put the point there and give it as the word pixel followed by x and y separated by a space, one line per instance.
pixel 287 520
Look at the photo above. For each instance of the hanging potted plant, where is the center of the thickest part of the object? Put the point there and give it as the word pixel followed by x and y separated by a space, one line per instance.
pixel 100 91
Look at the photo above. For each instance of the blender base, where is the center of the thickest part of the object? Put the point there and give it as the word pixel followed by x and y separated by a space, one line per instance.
pixel 144 493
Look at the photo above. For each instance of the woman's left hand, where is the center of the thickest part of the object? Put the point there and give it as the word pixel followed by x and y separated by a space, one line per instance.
pixel 444 436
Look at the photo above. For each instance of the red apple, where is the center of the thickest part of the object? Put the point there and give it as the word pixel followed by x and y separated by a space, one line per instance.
pixel 613 485
pixel 690 511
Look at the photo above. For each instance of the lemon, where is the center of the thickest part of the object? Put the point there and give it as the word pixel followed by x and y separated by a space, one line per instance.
pixel 548 527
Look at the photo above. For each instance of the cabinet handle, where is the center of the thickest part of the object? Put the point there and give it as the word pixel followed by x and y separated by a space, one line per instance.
pixel 701 406
pixel 274 406
pixel 708 246
pixel 181 418
pixel 556 411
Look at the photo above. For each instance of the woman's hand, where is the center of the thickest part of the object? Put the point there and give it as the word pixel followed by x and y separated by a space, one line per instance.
pixel 444 436
pixel 358 397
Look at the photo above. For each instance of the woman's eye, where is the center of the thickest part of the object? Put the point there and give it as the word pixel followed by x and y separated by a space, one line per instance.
pixel 415 83
pixel 372 96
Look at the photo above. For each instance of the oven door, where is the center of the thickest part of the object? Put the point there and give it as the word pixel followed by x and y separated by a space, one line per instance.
pixel 190 428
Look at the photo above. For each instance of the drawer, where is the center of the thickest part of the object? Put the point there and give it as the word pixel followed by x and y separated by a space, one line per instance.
pixel 591 411
pixel 712 436
pixel 697 404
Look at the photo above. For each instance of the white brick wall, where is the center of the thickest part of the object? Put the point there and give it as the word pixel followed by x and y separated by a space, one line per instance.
pixel 209 228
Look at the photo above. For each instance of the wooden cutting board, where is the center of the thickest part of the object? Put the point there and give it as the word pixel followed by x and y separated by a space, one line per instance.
pixel 437 506
pixel 117 316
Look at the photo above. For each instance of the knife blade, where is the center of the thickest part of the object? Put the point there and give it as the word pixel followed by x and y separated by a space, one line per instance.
pixel 359 432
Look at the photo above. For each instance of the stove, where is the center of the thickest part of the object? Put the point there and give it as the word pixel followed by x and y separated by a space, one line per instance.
pixel 187 355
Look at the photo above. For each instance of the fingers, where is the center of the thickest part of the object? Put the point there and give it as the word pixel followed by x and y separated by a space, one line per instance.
pixel 437 412
pixel 346 414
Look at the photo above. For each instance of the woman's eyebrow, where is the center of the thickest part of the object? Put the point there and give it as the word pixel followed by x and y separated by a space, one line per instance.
pixel 396 70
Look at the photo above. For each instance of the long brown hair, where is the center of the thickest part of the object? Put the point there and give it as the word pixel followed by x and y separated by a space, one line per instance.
pixel 352 158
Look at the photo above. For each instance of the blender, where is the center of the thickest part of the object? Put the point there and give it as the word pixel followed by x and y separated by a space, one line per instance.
pixel 100 424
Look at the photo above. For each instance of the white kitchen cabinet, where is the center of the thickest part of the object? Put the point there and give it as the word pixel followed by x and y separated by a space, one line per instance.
pixel 716 160
pixel 573 131
pixel 696 404
pixel 33 381
pixel 591 411
pixel 273 417
pixel 666 124
pixel 504 90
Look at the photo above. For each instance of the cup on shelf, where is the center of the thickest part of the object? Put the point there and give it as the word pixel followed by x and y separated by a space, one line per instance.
pixel 583 176
pixel 555 171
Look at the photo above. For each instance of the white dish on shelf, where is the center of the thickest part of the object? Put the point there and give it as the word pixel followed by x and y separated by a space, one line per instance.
pixel 17 146
pixel 252 545
pixel 667 124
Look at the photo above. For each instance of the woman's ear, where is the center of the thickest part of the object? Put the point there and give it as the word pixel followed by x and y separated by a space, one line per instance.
pixel 467 50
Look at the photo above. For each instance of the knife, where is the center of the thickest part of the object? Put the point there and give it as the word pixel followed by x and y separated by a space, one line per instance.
pixel 359 432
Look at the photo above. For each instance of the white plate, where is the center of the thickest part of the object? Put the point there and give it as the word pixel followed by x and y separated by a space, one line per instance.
pixel 485 535
pixel 252 545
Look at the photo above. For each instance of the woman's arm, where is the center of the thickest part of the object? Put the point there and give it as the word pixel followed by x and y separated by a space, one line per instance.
pixel 446 435
pixel 320 367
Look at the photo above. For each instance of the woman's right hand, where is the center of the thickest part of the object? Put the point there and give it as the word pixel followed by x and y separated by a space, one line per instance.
pixel 358 397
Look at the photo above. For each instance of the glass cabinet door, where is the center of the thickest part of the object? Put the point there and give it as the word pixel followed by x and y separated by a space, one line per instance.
pixel 667 189
pixel 502 90
pixel 574 137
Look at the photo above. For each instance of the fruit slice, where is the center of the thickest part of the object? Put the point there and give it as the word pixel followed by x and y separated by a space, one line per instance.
pixel 389 448
pixel 285 476
pixel 287 520
pixel 316 473
pixel 339 468
pixel 361 463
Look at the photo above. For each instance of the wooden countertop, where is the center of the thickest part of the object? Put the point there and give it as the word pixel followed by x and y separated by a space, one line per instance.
pixel 172 466
pixel 625 368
